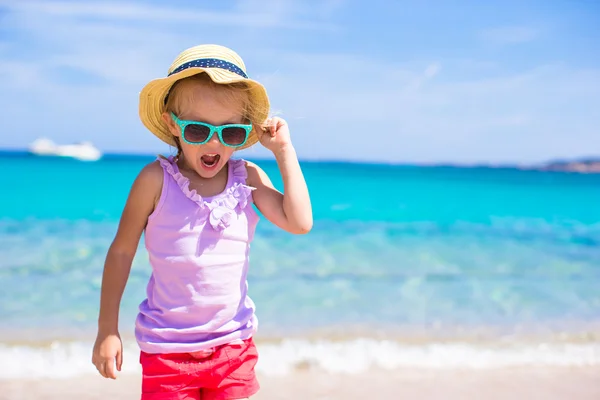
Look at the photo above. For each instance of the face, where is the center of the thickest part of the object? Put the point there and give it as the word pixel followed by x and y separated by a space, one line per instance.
pixel 204 105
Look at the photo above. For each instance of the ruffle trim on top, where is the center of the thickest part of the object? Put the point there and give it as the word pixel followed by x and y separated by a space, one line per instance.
pixel 221 208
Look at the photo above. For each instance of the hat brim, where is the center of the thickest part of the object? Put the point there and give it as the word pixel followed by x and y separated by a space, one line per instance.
pixel 152 100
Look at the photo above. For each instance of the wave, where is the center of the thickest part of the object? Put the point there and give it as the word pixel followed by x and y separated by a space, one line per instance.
pixel 69 359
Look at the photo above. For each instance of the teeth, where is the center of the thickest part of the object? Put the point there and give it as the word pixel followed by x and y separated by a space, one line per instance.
pixel 210 160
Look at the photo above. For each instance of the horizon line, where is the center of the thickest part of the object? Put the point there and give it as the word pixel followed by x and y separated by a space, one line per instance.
pixel 480 164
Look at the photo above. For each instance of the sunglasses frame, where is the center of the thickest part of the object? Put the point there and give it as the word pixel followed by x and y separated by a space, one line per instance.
pixel 218 129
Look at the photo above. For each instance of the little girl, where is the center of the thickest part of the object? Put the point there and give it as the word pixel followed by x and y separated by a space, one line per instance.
pixel 196 325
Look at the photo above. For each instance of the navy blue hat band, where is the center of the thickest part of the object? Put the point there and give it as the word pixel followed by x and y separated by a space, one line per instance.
pixel 210 63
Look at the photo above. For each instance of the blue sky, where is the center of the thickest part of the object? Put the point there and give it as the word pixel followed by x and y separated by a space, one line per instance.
pixel 451 81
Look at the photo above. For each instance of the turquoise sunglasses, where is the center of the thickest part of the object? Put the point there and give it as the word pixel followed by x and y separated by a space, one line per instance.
pixel 196 132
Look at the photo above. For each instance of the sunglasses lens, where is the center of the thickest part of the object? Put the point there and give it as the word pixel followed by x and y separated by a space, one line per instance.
pixel 234 136
pixel 196 133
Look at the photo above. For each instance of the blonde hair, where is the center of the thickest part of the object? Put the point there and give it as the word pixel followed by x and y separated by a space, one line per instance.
pixel 227 94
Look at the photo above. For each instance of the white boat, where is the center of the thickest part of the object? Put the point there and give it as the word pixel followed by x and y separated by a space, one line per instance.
pixel 43 147
pixel 84 151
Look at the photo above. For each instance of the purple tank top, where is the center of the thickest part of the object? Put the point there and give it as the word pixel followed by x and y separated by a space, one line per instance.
pixel 198 248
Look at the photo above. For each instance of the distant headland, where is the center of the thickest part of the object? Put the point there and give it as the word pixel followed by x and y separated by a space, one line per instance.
pixel 587 165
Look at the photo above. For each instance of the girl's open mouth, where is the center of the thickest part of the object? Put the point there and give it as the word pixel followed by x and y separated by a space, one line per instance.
pixel 210 160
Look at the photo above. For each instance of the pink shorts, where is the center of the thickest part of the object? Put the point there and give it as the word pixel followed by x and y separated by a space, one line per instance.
pixel 226 373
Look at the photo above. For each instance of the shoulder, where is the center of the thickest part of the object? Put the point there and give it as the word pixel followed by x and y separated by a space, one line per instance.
pixel 251 167
pixel 152 172
pixel 255 173
pixel 150 178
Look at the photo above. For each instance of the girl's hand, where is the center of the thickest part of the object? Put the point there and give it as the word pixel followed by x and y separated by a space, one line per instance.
pixel 276 135
pixel 108 350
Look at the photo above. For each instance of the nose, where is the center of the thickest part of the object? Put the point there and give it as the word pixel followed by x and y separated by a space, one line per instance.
pixel 214 141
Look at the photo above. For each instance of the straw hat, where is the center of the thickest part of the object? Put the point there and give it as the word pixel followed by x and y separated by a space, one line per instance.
pixel 221 64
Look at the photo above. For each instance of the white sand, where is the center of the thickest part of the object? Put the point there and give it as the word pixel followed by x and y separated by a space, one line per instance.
pixel 539 383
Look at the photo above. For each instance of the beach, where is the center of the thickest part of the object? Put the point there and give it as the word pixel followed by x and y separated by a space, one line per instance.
pixel 501 384
pixel 449 283
pixel 357 369
pixel 448 248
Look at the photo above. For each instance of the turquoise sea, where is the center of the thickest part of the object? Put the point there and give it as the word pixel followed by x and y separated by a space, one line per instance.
pixel 406 266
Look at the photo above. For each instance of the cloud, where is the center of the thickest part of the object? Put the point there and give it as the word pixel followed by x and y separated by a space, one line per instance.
pixel 311 9
pixel 122 42
pixel 250 17
pixel 118 47
pixel 510 35
pixel 340 104
pixel 431 71
pixel 375 110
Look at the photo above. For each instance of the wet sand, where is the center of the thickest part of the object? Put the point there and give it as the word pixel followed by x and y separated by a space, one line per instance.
pixel 533 383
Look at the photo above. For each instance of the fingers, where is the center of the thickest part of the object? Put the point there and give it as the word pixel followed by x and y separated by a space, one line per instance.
pixel 98 364
pixel 119 360
pixel 100 367
pixel 106 368
pixel 109 368
pixel 272 125
pixel 107 355
pixel 268 127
